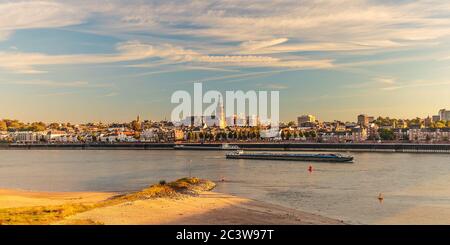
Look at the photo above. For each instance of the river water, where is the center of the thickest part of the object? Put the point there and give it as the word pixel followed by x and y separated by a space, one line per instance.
pixel 416 187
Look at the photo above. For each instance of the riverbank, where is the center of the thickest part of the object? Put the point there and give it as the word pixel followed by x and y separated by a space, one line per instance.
pixel 185 201
pixel 260 146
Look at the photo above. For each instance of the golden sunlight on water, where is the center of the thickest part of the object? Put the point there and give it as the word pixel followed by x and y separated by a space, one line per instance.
pixel 423 213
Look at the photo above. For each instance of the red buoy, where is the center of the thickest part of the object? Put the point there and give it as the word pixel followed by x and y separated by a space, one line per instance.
pixel 380 197
pixel 310 168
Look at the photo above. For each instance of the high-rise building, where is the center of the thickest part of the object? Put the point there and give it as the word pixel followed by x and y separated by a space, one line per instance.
pixel 222 120
pixel 305 119
pixel 231 121
pixel 252 120
pixel 436 118
pixel 444 115
pixel 363 120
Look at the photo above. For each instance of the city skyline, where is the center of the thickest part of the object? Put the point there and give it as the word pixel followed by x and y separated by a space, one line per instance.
pixel 80 61
pixel 441 115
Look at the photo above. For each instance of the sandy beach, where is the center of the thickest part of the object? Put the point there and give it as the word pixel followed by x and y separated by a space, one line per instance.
pixel 205 207
pixel 209 208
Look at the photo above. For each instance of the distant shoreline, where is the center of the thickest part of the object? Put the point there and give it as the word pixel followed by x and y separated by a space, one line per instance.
pixel 268 146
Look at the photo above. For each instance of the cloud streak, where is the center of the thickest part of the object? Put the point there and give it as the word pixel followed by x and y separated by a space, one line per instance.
pixel 134 50
pixel 49 83
pixel 37 14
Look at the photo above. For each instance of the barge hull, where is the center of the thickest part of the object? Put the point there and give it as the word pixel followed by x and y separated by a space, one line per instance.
pixel 289 158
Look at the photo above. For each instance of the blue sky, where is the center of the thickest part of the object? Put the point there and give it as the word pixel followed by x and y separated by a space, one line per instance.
pixel 83 61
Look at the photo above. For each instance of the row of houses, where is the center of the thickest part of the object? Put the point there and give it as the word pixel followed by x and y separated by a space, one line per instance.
pixel 356 134
pixel 110 136
pixel 429 135
pixel 32 137
pixel 359 134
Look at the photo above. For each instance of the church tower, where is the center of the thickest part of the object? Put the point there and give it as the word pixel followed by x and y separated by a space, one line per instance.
pixel 222 122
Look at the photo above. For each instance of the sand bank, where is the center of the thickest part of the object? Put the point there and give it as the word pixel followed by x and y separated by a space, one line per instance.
pixel 200 207
pixel 206 208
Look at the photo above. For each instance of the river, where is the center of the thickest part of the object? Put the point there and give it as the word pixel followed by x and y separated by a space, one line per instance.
pixel 416 187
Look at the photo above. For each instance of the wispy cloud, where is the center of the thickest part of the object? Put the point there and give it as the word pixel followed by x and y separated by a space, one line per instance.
pixel 276 86
pixel 385 80
pixel 48 83
pixel 415 84
pixel 242 76
pixel 265 30
pixel 255 45
pixel 56 94
pixel 22 62
pixel 37 14
pixel 135 50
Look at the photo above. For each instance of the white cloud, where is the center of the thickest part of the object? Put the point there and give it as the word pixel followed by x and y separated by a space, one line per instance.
pixel 37 14
pixel 134 50
pixel 385 80
pixel 255 45
pixel 267 33
pixel 26 62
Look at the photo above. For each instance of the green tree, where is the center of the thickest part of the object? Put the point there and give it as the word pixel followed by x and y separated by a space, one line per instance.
pixel 137 135
pixel 386 134
pixel 288 135
pixel 37 126
pixel 14 124
pixel 54 125
pixel 440 124
pixel 3 126
pixel 136 126
pixel 291 124
pixel 230 135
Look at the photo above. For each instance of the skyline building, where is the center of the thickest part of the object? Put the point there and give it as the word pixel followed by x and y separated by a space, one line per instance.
pixel 444 115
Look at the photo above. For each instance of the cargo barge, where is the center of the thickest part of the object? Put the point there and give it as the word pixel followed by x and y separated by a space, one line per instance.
pixel 224 147
pixel 289 156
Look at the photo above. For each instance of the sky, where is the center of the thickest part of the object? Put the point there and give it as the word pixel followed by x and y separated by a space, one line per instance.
pixel 89 61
